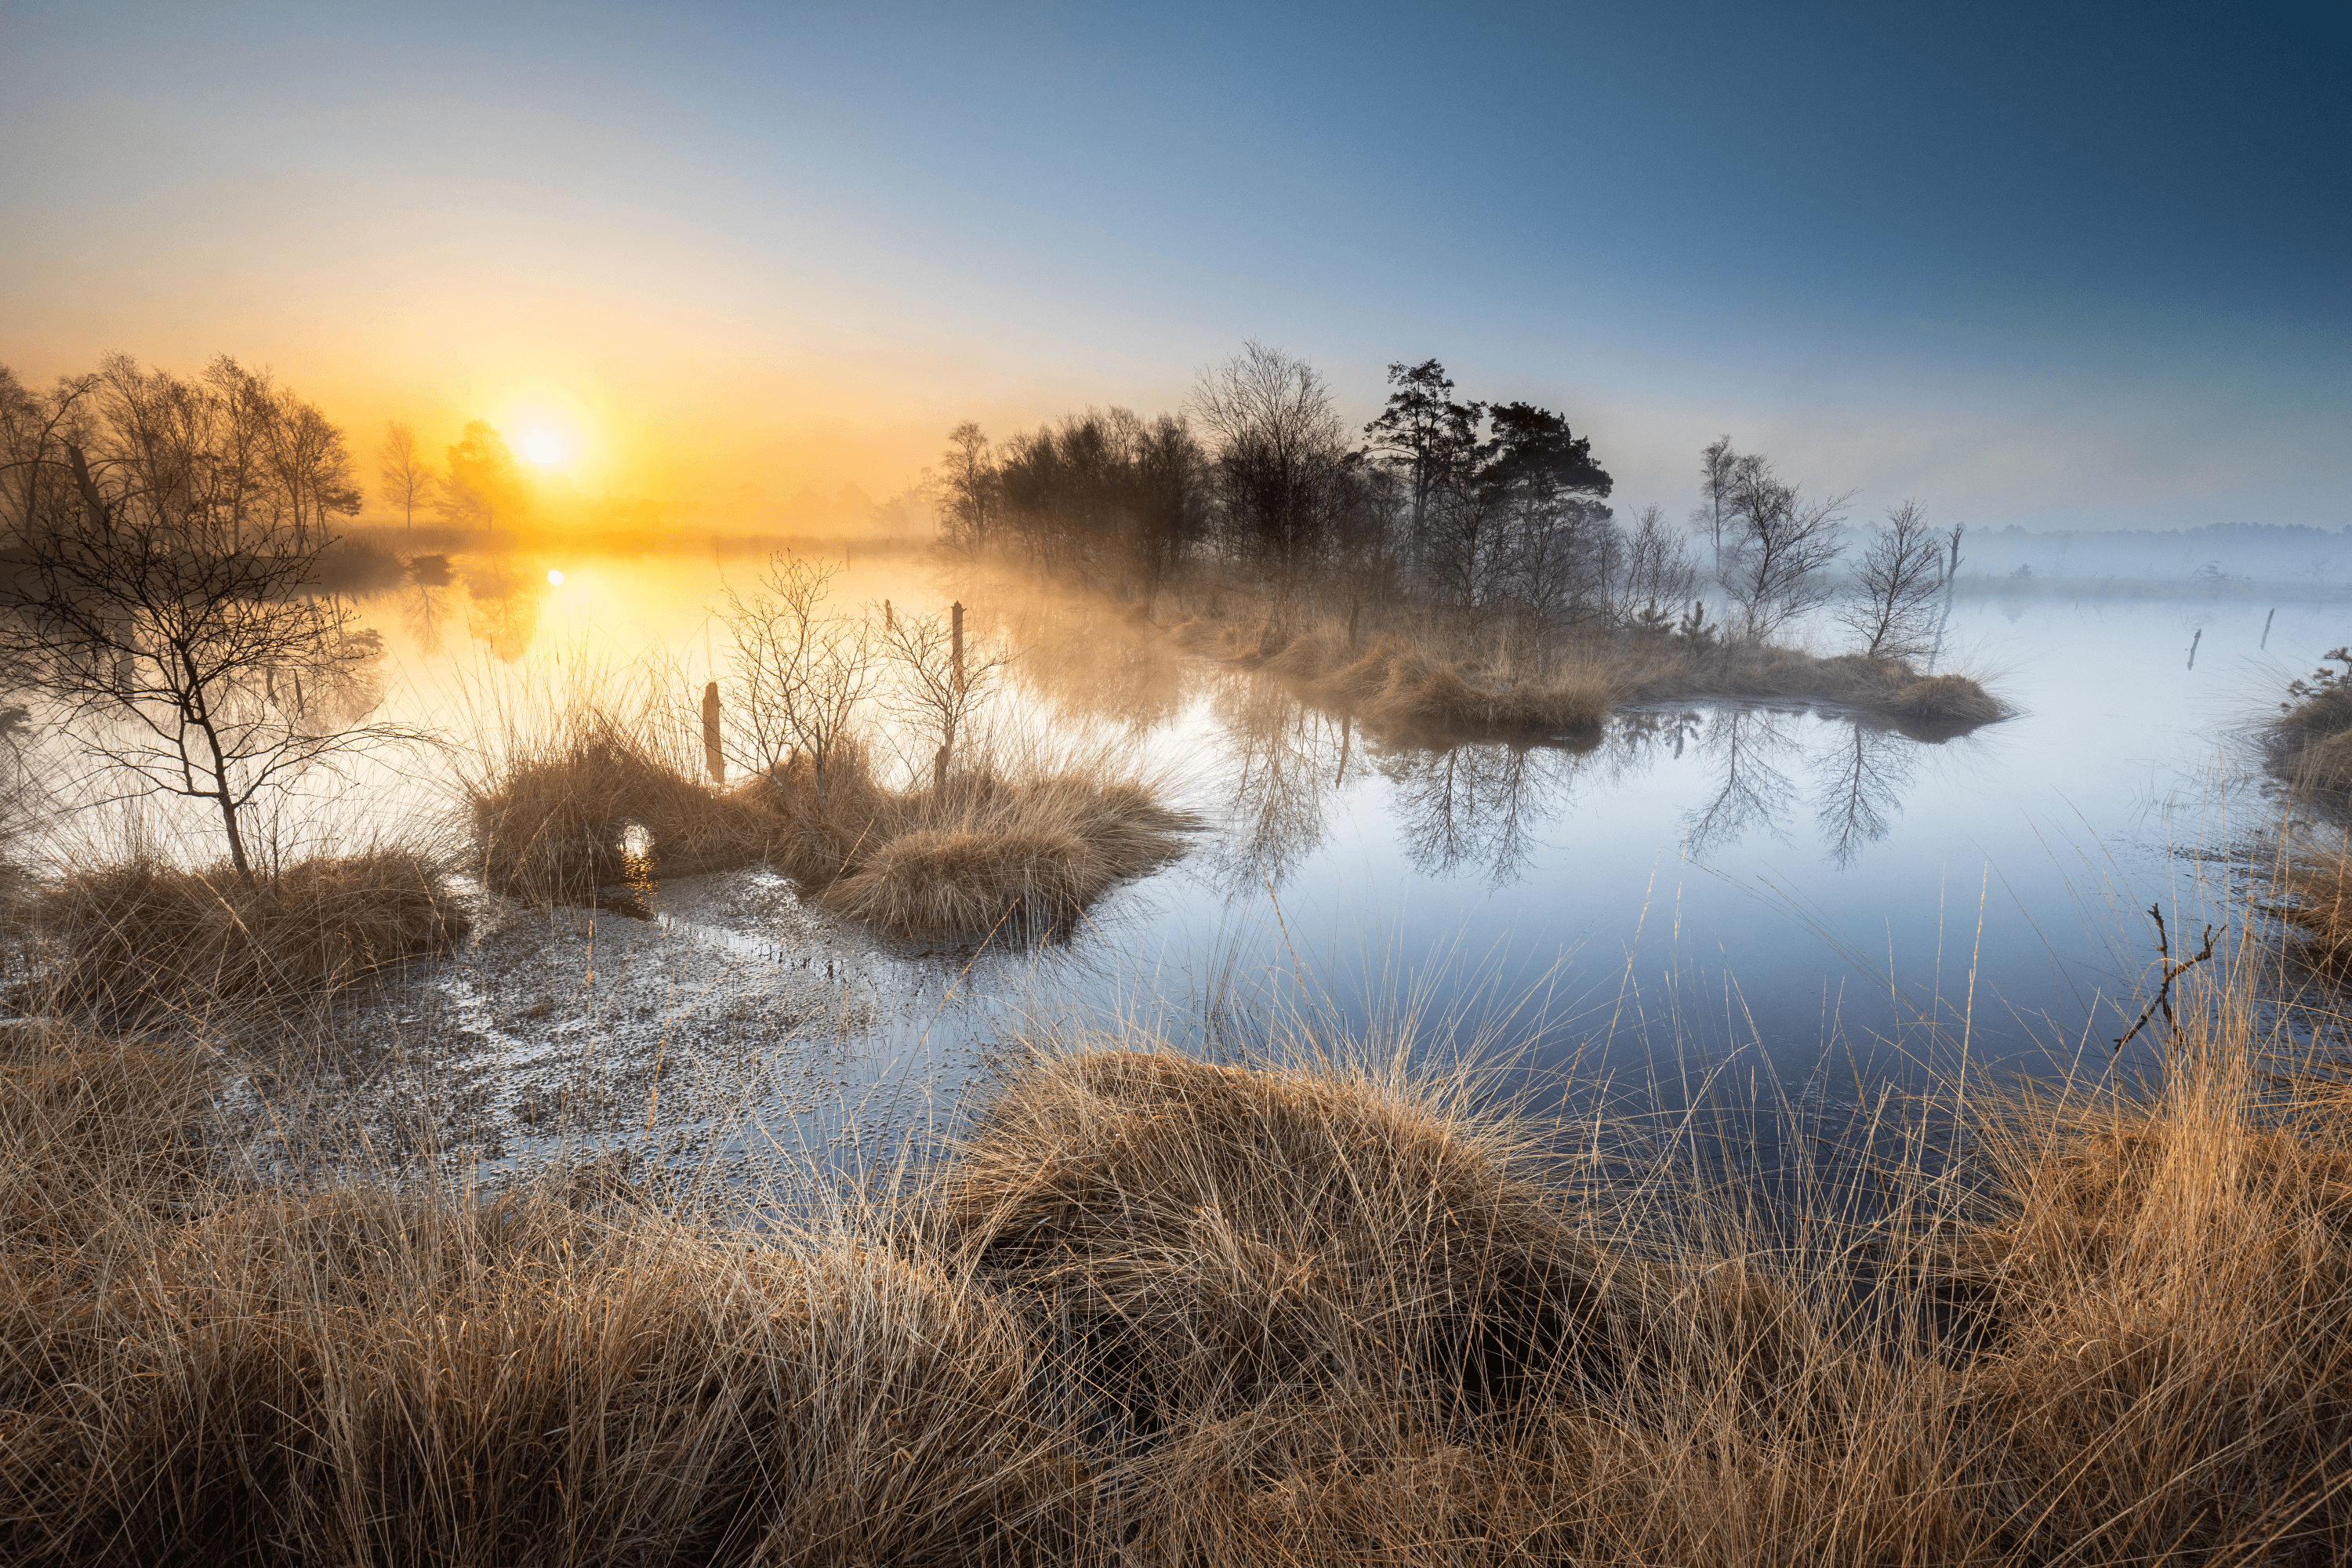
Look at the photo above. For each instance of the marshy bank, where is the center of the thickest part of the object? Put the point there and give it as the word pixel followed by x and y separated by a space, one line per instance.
pixel 1445 686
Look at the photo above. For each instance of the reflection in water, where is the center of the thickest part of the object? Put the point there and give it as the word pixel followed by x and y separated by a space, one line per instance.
pixel 424 602
pixel 503 608
pixel 1477 804
pixel 1282 759
pixel 1091 661
pixel 1862 779
pixel 1484 806
pixel 1748 745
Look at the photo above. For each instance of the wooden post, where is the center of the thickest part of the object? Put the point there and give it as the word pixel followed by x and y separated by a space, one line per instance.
pixel 714 761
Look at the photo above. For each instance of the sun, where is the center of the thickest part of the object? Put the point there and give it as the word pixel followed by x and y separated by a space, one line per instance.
pixel 544 447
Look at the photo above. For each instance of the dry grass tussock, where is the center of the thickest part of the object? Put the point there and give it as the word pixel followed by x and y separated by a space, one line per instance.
pixel 1155 1311
pixel 1017 850
pixel 2310 745
pixel 1437 683
pixel 551 821
pixel 1020 847
pixel 142 938
pixel 362 1377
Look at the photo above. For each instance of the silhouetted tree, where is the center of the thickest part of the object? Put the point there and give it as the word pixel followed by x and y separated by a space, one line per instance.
pixel 1106 490
pixel 1425 434
pixel 406 478
pixel 1281 457
pixel 967 479
pixel 483 483
pixel 35 428
pixel 164 596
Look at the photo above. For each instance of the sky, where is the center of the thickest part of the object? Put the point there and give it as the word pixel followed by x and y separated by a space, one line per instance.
pixel 2065 267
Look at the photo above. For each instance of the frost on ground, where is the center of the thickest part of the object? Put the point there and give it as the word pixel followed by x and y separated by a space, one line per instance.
pixel 735 1033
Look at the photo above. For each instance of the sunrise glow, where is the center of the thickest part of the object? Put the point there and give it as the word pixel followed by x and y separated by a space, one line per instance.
pixel 544 447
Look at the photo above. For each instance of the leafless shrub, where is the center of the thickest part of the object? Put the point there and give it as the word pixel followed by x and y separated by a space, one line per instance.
pixel 801 674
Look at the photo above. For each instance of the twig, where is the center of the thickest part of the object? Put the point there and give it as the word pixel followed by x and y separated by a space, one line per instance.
pixel 2172 971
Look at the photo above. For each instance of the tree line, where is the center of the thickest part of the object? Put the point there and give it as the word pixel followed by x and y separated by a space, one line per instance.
pixel 1495 513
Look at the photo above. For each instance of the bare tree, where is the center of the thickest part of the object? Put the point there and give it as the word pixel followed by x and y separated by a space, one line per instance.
pixel 1281 456
pixel 1778 568
pixel 1658 573
pixel 969 482
pixel 1718 465
pixel 1901 575
pixel 34 429
pixel 407 479
pixel 801 674
pixel 941 681
pixel 164 601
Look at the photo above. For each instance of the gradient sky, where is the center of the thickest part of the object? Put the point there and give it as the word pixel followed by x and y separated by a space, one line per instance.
pixel 2068 267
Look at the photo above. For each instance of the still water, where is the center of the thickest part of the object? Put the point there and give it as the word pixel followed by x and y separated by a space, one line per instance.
pixel 1773 899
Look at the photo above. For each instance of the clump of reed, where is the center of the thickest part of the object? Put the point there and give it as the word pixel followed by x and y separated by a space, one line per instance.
pixel 990 847
pixel 1206 1238
pixel 552 822
pixel 1021 845
pixel 2309 744
pixel 143 937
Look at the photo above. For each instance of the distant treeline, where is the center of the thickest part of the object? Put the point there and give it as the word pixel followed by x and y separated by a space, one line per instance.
pixel 1489 507
pixel 1493 514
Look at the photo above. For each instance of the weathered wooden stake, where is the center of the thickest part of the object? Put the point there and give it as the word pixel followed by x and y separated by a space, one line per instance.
pixel 714 761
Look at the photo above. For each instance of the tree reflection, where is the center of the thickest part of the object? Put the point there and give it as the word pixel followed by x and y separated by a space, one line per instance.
pixel 1477 804
pixel 1090 660
pixel 502 609
pixel 1283 758
pixel 1748 745
pixel 424 606
pixel 1862 778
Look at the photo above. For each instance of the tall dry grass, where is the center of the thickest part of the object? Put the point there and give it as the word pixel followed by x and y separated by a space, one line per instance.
pixel 142 939
pixel 2310 744
pixel 1324 1308
pixel 551 819
pixel 1020 848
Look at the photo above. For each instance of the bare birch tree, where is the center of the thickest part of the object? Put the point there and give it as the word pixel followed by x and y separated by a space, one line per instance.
pixel 1897 585
pixel 1777 568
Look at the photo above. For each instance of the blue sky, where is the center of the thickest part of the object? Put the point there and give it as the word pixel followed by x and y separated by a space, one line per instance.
pixel 2065 267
